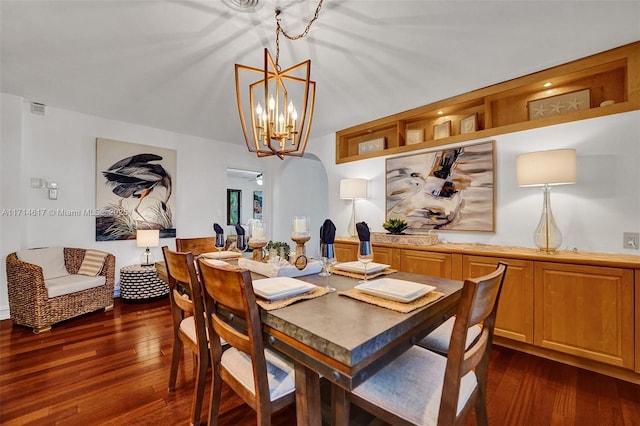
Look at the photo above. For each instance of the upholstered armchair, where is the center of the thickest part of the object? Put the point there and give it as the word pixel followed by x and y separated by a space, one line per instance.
pixel 38 301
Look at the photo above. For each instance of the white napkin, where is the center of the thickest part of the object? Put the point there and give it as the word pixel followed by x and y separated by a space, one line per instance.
pixel 288 270
pixel 215 262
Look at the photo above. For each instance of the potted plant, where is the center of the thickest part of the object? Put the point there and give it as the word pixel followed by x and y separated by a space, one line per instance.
pixel 395 226
pixel 282 249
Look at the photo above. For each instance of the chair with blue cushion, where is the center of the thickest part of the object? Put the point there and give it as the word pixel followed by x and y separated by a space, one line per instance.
pixel 263 378
pixel 421 387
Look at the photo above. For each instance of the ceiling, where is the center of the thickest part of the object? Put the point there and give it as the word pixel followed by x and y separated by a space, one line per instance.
pixel 169 64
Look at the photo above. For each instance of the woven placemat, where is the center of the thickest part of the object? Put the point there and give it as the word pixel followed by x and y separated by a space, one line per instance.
pixel 404 308
pixel 277 304
pixel 361 276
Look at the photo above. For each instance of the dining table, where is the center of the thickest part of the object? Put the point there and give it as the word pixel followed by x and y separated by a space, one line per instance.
pixel 345 340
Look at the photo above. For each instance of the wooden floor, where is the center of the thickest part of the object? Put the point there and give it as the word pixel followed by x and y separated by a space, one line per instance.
pixel 112 368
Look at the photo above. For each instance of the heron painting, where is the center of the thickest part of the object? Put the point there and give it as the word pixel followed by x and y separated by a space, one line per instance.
pixel 135 189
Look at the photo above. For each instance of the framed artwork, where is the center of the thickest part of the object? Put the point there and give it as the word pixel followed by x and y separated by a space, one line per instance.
pixel 374 145
pixel 448 189
pixel 233 206
pixel 415 136
pixel 469 124
pixel 135 189
pixel 442 130
pixel 559 104
pixel 257 204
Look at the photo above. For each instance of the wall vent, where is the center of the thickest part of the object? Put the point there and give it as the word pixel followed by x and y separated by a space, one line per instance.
pixel 37 108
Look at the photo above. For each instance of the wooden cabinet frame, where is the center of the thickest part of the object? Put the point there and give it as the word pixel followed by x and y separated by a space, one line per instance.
pixel 579 308
pixel 502 108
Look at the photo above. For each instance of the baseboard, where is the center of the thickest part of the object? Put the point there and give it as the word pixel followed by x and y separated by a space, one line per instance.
pixel 4 313
pixel 576 361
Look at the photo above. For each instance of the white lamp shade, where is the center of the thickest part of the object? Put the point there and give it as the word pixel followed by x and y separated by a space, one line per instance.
pixel 555 167
pixel 147 237
pixel 353 188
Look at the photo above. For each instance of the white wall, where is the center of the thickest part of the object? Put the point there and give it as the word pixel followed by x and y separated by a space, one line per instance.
pixel 300 190
pixel 246 202
pixel 11 178
pixel 592 214
pixel 60 146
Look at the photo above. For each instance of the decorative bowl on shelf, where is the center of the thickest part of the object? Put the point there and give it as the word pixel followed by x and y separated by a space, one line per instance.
pixel 427 239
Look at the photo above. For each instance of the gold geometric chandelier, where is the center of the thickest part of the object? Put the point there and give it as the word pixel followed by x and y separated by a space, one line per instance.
pixel 277 119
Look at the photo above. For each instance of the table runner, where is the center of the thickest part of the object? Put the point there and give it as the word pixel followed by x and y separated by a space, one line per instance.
pixel 286 270
pixel 402 307
pixel 277 304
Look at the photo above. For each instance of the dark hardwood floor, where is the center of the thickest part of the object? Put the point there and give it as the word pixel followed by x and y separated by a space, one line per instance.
pixel 112 368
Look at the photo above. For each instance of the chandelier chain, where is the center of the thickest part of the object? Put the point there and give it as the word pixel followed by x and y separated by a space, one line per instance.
pixel 279 30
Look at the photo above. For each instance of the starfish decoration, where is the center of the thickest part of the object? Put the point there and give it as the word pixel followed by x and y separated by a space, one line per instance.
pixel 539 111
pixel 555 108
pixel 573 104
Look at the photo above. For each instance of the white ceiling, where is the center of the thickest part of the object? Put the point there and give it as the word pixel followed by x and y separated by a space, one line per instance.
pixel 169 64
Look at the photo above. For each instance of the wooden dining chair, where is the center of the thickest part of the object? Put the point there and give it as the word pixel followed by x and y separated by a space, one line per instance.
pixel 189 323
pixel 263 378
pixel 438 340
pixel 196 246
pixel 421 387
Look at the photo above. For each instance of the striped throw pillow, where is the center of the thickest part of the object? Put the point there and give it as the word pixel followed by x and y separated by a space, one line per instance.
pixel 92 263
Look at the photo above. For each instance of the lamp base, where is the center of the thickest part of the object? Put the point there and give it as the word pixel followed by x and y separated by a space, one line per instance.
pixel 547 235
pixel 352 221
pixel 147 259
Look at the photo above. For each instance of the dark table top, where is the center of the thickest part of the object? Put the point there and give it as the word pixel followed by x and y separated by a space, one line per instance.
pixel 344 339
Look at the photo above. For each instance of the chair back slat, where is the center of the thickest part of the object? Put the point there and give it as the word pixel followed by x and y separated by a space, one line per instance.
pixel 181 270
pixel 196 246
pixel 474 354
pixel 485 298
pixel 183 301
pixel 232 335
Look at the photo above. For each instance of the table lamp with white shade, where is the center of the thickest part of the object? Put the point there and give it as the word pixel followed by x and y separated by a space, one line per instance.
pixel 351 189
pixel 147 238
pixel 547 168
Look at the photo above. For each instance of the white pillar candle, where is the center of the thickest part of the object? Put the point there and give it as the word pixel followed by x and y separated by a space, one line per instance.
pixel 300 225
pixel 258 233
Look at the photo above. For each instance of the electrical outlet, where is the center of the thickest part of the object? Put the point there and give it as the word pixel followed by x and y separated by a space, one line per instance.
pixel 631 240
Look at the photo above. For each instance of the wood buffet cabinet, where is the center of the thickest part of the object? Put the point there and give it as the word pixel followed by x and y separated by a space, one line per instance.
pixel 574 307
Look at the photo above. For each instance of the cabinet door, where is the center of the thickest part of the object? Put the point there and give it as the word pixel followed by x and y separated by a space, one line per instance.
pixel 345 252
pixel 426 263
pixel 585 311
pixel 515 308
pixel 387 255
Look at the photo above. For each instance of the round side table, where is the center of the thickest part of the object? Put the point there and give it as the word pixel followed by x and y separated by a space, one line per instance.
pixel 141 284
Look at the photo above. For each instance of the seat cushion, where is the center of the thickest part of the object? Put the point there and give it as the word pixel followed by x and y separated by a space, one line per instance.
pixel 50 259
pixel 279 371
pixel 72 284
pixel 188 327
pixel 411 386
pixel 438 340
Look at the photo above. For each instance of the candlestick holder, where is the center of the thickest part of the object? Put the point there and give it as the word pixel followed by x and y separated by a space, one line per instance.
pixel 300 248
pixel 257 253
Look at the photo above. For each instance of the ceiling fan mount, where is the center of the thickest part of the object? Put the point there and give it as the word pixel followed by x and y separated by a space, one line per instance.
pixel 244 5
